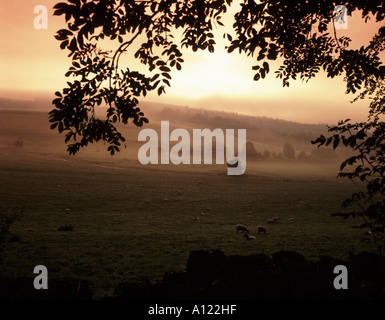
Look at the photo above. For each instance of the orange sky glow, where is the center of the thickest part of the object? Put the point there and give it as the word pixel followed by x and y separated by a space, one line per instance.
pixel 32 64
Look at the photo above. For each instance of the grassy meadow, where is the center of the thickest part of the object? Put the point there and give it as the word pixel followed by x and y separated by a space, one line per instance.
pixel 129 219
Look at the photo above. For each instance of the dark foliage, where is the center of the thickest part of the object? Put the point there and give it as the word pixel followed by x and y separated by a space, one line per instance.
pixel 100 79
pixel 366 165
pixel 294 31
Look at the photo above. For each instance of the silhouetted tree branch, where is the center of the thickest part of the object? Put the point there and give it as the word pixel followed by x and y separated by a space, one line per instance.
pixel 90 22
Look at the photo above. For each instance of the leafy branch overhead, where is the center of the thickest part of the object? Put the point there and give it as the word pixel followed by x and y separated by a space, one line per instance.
pixel 295 32
pixel 99 78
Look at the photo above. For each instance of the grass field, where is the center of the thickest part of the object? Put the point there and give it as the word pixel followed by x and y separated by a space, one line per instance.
pixel 130 219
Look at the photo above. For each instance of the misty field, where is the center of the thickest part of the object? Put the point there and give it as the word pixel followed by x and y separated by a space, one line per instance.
pixel 130 219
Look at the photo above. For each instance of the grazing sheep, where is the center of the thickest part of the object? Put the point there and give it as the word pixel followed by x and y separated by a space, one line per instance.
pixel 262 229
pixel 250 237
pixel 195 219
pixel 241 227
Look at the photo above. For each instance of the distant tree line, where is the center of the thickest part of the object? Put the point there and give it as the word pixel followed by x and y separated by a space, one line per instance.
pixel 262 129
pixel 289 154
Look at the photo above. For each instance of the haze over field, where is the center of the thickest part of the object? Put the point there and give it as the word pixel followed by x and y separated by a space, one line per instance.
pixel 265 149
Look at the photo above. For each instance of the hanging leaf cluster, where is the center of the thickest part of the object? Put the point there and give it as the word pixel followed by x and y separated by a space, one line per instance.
pixel 96 76
pixel 297 33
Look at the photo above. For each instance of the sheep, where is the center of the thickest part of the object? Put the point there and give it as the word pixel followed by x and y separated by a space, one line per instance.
pixel 273 220
pixel 247 237
pixel 241 227
pixel 262 229
pixel 291 219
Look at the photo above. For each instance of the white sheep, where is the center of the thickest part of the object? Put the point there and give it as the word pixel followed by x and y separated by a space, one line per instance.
pixel 262 229
pixel 241 227
pixel 250 237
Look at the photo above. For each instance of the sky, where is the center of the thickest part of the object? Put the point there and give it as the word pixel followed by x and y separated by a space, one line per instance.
pixel 32 64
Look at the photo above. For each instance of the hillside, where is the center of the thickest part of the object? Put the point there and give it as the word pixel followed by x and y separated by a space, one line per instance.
pixel 24 105
pixel 266 135
pixel 262 130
